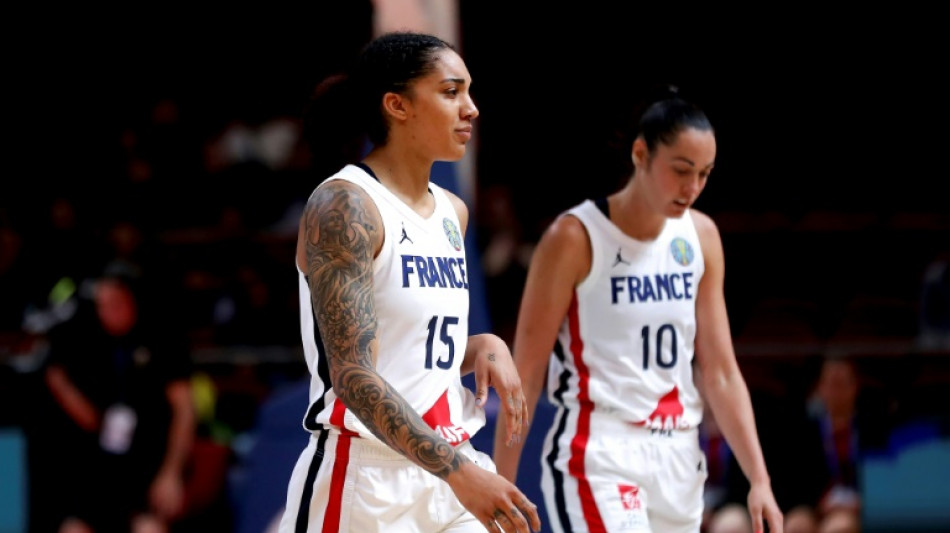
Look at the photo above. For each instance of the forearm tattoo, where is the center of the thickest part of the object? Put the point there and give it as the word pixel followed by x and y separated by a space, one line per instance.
pixel 339 247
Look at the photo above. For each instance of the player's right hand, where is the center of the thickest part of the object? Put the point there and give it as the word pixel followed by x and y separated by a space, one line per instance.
pixel 497 503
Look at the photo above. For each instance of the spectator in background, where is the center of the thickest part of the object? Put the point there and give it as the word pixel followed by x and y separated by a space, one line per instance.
pixel 815 451
pixel 833 415
pixel 123 385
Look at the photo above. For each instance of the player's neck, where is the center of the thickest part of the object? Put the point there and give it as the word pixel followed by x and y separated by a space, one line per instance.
pixel 633 215
pixel 408 179
pixel 406 174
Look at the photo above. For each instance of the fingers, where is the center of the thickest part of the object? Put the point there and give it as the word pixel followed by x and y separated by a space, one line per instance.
pixel 530 512
pixel 482 381
pixel 513 407
pixel 524 413
pixel 502 520
pixel 514 519
pixel 515 411
pixel 520 516
pixel 481 396
pixel 776 521
pixel 757 526
pixel 767 513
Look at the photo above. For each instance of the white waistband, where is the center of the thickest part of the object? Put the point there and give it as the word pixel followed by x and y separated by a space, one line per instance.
pixel 363 449
pixel 606 422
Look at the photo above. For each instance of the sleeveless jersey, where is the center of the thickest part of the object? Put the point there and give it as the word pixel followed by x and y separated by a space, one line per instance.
pixel 421 295
pixel 626 345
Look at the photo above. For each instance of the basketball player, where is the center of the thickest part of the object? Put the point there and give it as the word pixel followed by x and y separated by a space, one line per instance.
pixel 384 301
pixel 619 292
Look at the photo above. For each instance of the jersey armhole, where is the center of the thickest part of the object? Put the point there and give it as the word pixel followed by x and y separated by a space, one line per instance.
pixel 594 263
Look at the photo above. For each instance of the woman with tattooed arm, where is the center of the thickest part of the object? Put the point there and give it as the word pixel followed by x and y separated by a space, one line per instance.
pixel 384 317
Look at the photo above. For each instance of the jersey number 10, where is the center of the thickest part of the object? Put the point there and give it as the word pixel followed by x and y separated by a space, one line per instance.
pixel 660 337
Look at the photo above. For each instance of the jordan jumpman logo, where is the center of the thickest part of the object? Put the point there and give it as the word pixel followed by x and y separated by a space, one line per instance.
pixel 405 236
pixel 619 259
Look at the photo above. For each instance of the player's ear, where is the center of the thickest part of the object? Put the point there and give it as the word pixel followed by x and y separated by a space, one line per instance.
pixel 394 105
pixel 639 152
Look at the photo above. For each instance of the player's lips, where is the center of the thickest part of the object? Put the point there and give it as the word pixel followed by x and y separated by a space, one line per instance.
pixel 464 133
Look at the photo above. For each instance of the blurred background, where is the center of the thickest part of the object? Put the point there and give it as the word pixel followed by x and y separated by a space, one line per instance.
pixel 168 146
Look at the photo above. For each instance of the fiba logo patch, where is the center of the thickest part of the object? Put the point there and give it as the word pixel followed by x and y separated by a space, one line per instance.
pixel 452 232
pixel 682 251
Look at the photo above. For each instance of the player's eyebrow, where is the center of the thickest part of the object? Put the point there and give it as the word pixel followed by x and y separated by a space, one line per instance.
pixel 690 162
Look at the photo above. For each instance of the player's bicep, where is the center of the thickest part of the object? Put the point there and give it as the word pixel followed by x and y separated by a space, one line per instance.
pixel 561 260
pixel 341 233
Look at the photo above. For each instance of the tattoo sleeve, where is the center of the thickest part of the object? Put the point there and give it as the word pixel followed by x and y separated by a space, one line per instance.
pixel 340 237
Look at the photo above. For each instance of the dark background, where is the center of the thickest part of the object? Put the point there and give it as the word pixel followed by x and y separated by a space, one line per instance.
pixel 797 97
pixel 814 110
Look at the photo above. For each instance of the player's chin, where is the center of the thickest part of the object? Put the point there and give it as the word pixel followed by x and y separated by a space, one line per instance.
pixel 457 152
pixel 676 210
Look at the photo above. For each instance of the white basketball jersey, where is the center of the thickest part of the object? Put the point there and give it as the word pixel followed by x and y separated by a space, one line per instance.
pixel 626 345
pixel 421 294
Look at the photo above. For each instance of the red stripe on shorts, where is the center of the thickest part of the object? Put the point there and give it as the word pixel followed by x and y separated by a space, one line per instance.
pixel 341 459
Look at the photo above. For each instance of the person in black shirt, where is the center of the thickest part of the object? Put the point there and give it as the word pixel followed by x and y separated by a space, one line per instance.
pixel 124 388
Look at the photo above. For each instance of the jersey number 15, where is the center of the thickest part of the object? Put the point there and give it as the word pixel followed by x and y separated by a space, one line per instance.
pixel 446 339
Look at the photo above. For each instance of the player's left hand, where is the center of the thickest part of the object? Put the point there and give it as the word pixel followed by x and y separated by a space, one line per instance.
pixel 494 367
pixel 762 504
